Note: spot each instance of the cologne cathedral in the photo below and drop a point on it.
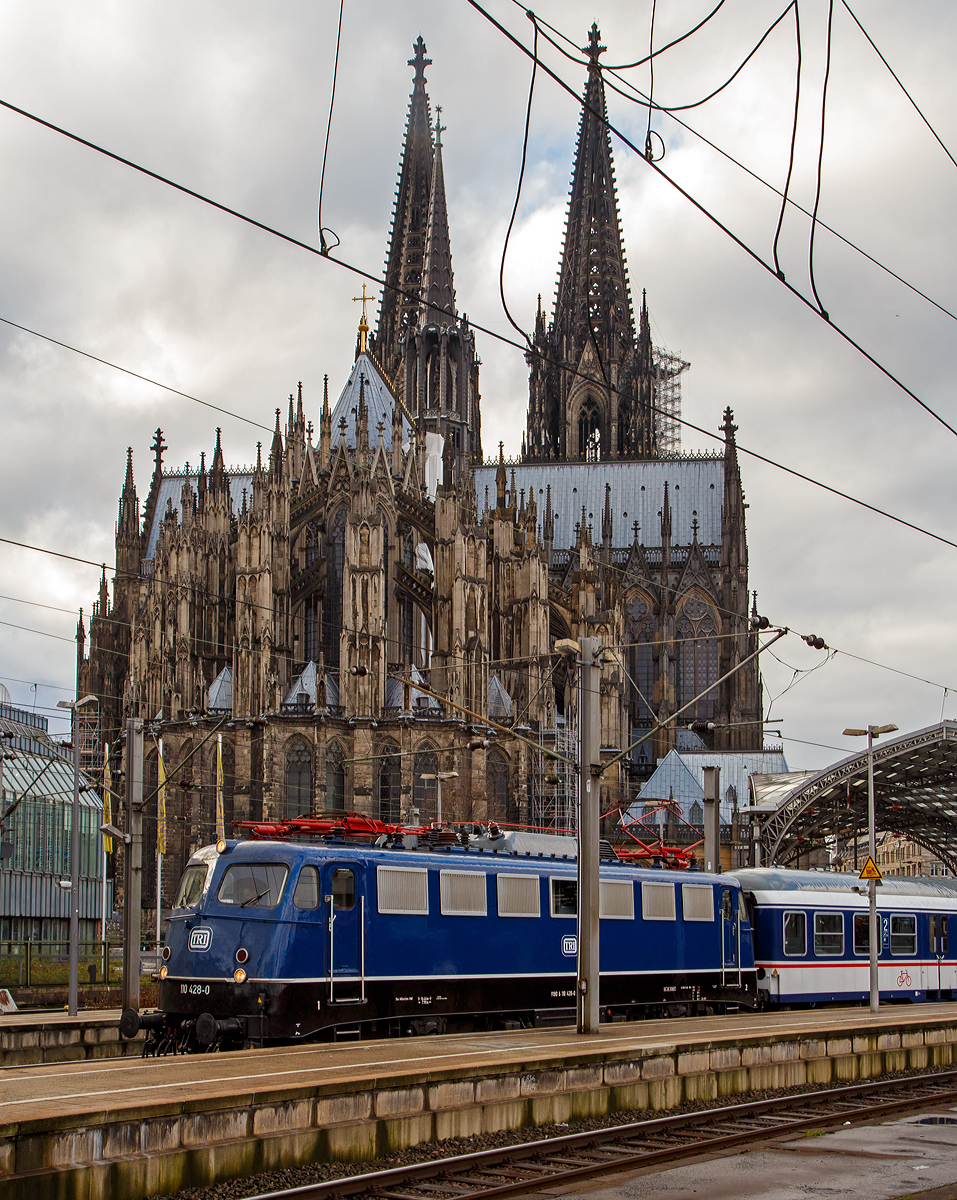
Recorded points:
(367, 618)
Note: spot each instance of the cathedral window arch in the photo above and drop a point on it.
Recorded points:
(424, 791)
(298, 779)
(696, 657)
(640, 634)
(589, 430)
(389, 782)
(335, 779)
(335, 566)
(500, 807)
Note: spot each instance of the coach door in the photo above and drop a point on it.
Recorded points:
(940, 971)
(730, 939)
(345, 909)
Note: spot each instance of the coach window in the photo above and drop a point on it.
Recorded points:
(828, 933)
(306, 894)
(343, 888)
(903, 935)
(938, 934)
(862, 933)
(795, 933)
(564, 897)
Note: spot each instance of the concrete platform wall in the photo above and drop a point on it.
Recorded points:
(161, 1148)
(36, 1039)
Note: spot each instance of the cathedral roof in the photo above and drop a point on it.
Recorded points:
(680, 777)
(171, 489)
(695, 492)
(379, 400)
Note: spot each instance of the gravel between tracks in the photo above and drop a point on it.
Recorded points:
(255, 1185)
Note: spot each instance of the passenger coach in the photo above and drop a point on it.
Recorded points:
(278, 940)
(811, 932)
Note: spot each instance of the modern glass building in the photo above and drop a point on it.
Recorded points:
(36, 810)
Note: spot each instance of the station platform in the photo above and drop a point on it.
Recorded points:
(136, 1128)
(49, 1036)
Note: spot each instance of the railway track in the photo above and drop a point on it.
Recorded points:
(531, 1166)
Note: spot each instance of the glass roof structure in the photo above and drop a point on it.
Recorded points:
(915, 795)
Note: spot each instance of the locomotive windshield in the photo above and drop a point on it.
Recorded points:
(191, 886)
(253, 885)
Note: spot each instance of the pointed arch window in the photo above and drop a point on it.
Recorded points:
(589, 430)
(298, 780)
(335, 779)
(496, 785)
(424, 791)
(640, 629)
(696, 631)
(335, 564)
(389, 783)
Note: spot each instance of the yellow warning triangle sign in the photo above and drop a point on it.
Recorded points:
(870, 870)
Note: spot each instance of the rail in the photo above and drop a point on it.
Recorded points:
(551, 1162)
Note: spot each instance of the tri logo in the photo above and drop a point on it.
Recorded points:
(200, 938)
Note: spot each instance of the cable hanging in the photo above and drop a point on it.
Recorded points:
(820, 164)
(323, 245)
(794, 128)
(518, 189)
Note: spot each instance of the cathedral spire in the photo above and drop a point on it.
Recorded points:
(591, 385)
(438, 293)
(403, 267)
(593, 234)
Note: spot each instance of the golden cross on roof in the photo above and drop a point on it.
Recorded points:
(363, 324)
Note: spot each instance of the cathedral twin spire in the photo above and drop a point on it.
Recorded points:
(426, 350)
(591, 382)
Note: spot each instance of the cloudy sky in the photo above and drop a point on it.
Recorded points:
(231, 99)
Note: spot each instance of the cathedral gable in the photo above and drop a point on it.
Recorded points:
(696, 573)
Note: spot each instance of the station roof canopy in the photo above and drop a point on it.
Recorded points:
(915, 794)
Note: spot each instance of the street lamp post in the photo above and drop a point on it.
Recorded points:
(438, 776)
(872, 732)
(74, 987)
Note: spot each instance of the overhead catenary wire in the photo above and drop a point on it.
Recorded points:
(518, 195)
(820, 158)
(324, 247)
(640, 62)
(361, 273)
(794, 129)
(899, 83)
(135, 374)
(716, 221)
(641, 98)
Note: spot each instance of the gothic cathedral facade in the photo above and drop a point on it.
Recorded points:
(350, 613)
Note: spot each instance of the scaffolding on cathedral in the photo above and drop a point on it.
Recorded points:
(668, 371)
(554, 783)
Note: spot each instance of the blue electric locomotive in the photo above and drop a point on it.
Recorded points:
(811, 933)
(281, 940)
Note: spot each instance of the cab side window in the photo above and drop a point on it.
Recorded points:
(306, 894)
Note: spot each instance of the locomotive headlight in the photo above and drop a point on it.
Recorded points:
(239, 975)
(221, 847)
(163, 972)
(242, 955)
(165, 953)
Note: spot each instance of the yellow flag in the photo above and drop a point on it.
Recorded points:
(220, 816)
(107, 799)
(161, 802)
